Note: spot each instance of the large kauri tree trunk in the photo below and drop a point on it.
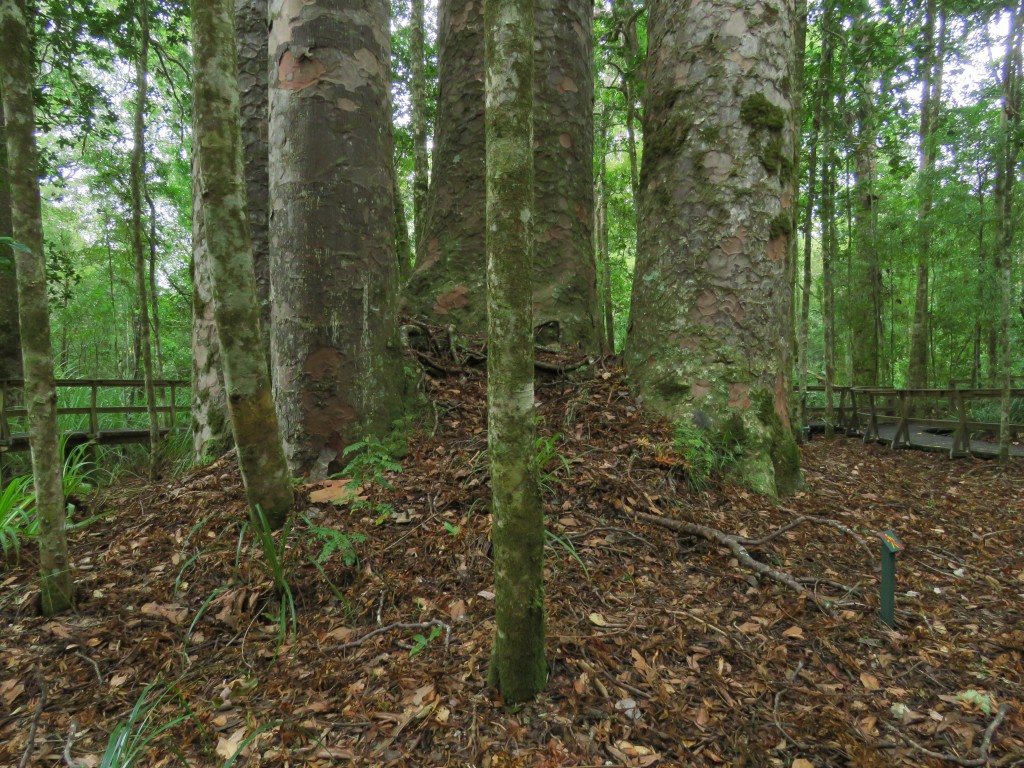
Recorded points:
(448, 283)
(222, 189)
(709, 316)
(16, 83)
(518, 667)
(335, 357)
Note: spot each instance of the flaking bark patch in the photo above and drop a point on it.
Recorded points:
(710, 301)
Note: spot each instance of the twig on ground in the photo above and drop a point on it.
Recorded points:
(397, 625)
(708, 624)
(30, 742)
(801, 518)
(778, 723)
(69, 761)
(737, 548)
(976, 762)
(95, 666)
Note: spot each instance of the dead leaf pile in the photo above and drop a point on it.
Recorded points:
(663, 648)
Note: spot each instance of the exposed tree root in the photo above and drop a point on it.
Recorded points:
(734, 543)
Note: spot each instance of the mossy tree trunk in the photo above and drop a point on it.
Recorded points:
(518, 667)
(448, 283)
(602, 256)
(828, 268)
(136, 182)
(418, 93)
(1007, 158)
(931, 96)
(10, 340)
(334, 340)
(16, 83)
(211, 427)
(865, 289)
(222, 190)
(822, 87)
(709, 318)
(251, 47)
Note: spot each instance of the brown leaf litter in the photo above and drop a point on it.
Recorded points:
(664, 648)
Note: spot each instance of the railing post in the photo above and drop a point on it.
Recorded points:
(961, 440)
(173, 405)
(5, 428)
(871, 433)
(902, 437)
(854, 415)
(94, 419)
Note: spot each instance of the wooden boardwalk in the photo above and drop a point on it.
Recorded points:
(926, 439)
(893, 416)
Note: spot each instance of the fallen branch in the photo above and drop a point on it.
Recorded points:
(737, 548)
(976, 762)
(397, 625)
(809, 519)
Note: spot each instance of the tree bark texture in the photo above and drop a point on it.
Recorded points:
(1008, 149)
(334, 347)
(136, 182)
(518, 667)
(565, 311)
(211, 427)
(16, 83)
(709, 313)
(822, 88)
(251, 47)
(931, 95)
(828, 262)
(601, 249)
(10, 341)
(865, 289)
(222, 190)
(418, 93)
(448, 283)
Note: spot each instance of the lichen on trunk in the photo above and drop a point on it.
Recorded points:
(518, 667)
(236, 309)
(17, 85)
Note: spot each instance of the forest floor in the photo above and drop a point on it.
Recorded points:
(664, 648)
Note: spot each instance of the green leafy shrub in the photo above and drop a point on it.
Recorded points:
(705, 454)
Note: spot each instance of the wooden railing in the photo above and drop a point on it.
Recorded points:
(866, 410)
(12, 409)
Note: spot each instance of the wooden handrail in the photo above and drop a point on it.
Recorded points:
(93, 410)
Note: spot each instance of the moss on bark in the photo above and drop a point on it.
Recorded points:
(518, 667)
(16, 83)
(709, 317)
(222, 186)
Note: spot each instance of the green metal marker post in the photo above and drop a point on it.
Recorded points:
(890, 546)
